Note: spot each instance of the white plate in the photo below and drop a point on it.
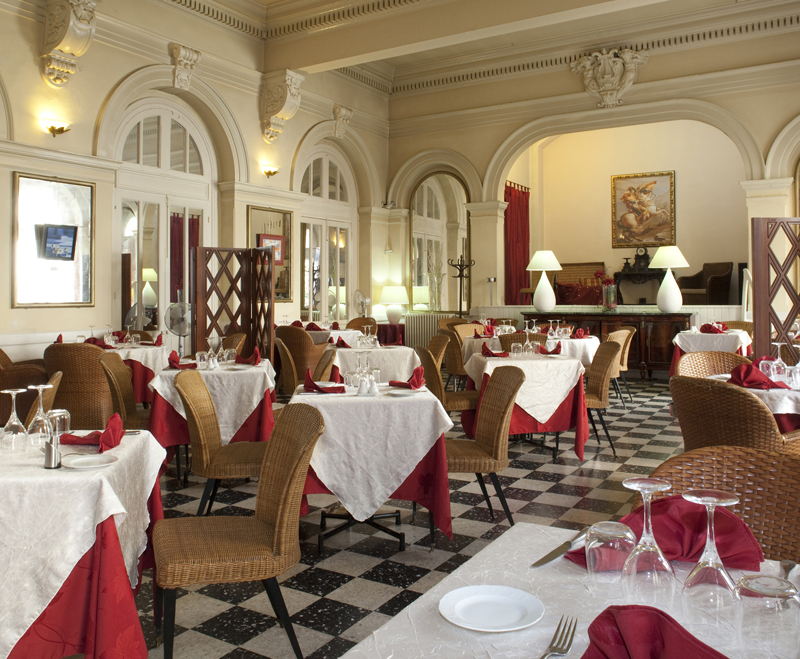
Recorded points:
(491, 608)
(397, 391)
(238, 367)
(86, 462)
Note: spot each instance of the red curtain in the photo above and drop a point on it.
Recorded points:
(517, 241)
(175, 255)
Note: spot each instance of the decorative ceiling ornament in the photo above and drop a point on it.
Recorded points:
(68, 31)
(184, 59)
(280, 100)
(341, 115)
(608, 74)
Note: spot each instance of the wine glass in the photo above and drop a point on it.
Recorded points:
(647, 577)
(550, 331)
(91, 330)
(779, 365)
(15, 437)
(708, 590)
(40, 430)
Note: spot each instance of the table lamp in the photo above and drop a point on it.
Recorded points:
(422, 298)
(669, 298)
(543, 298)
(149, 297)
(394, 296)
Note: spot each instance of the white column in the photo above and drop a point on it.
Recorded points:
(487, 249)
(766, 198)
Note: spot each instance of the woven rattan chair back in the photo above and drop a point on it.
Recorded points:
(598, 375)
(433, 376)
(453, 357)
(790, 354)
(283, 474)
(325, 365)
(19, 376)
(299, 343)
(438, 347)
(496, 406)
(289, 379)
(201, 416)
(450, 323)
(626, 349)
(467, 330)
(765, 482)
(507, 340)
(620, 336)
(745, 325)
(706, 364)
(360, 323)
(84, 391)
(5, 360)
(234, 342)
(119, 381)
(48, 396)
(712, 413)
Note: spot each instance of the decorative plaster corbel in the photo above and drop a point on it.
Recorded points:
(341, 116)
(184, 59)
(68, 30)
(609, 74)
(280, 100)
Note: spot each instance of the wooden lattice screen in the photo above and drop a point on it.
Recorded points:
(776, 281)
(234, 292)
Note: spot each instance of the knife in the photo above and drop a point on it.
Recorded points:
(562, 549)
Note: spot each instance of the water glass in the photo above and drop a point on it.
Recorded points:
(608, 545)
(230, 355)
(202, 359)
(794, 372)
(767, 368)
(375, 375)
(351, 379)
(80, 338)
(768, 617)
(516, 349)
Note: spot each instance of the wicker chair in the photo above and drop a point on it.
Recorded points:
(48, 396)
(84, 389)
(790, 354)
(623, 357)
(18, 375)
(444, 323)
(289, 379)
(144, 336)
(210, 459)
(745, 325)
(211, 550)
(705, 364)
(598, 378)
(621, 336)
(508, 340)
(766, 483)
(324, 366)
(453, 359)
(118, 376)
(456, 401)
(5, 362)
(712, 413)
(360, 323)
(467, 330)
(305, 354)
(488, 454)
(234, 342)
(438, 348)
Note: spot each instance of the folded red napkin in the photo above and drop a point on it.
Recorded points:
(748, 375)
(107, 439)
(399, 342)
(708, 328)
(476, 335)
(313, 327)
(579, 333)
(175, 362)
(98, 342)
(336, 376)
(335, 326)
(254, 359)
(486, 352)
(330, 340)
(554, 351)
(158, 342)
(765, 358)
(341, 343)
(297, 323)
(642, 632)
(679, 527)
(310, 385)
(120, 335)
(491, 321)
(59, 339)
(414, 382)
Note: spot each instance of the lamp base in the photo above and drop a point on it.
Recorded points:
(669, 298)
(543, 297)
(394, 314)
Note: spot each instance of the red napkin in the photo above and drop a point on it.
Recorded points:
(766, 358)
(554, 351)
(330, 339)
(579, 334)
(399, 342)
(414, 382)
(335, 326)
(313, 327)
(476, 335)
(748, 376)
(642, 632)
(335, 375)
(310, 385)
(175, 361)
(158, 342)
(340, 343)
(486, 352)
(107, 439)
(679, 527)
(297, 323)
(491, 321)
(254, 359)
(98, 342)
(708, 328)
(59, 339)
(120, 336)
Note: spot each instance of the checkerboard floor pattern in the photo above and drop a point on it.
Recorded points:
(362, 580)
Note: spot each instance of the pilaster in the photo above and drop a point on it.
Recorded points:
(487, 249)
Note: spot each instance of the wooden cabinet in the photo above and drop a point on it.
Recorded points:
(651, 348)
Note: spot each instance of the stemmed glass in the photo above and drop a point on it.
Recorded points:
(91, 330)
(528, 347)
(779, 365)
(40, 430)
(15, 438)
(647, 576)
(551, 332)
(708, 590)
(128, 335)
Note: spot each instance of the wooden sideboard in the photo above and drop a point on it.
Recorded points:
(651, 348)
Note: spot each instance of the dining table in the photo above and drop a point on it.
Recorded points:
(562, 587)
(74, 543)
(734, 340)
(394, 362)
(551, 399)
(349, 336)
(145, 362)
(379, 447)
(583, 348)
(242, 394)
(783, 403)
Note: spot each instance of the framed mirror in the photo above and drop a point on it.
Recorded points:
(270, 227)
(53, 242)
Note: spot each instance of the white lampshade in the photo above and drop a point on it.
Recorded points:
(544, 259)
(668, 257)
(394, 295)
(149, 274)
(422, 295)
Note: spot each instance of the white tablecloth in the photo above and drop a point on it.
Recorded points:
(235, 390)
(371, 444)
(548, 379)
(582, 349)
(779, 401)
(395, 362)
(48, 521)
(350, 337)
(730, 341)
(419, 630)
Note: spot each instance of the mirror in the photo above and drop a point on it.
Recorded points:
(53, 248)
(140, 264)
(269, 227)
(439, 233)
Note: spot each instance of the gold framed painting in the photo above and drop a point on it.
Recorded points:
(643, 210)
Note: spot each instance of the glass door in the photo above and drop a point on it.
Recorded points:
(141, 262)
(324, 247)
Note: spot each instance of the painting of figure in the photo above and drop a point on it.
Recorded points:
(643, 210)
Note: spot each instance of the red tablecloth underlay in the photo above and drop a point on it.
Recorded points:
(571, 413)
(677, 353)
(94, 612)
(141, 376)
(388, 334)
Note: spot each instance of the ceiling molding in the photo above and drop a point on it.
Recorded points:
(365, 78)
(221, 15)
(322, 107)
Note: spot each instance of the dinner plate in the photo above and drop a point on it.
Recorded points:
(87, 462)
(239, 367)
(397, 391)
(491, 608)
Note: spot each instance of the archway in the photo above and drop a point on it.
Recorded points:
(6, 120)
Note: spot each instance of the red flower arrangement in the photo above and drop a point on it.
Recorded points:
(604, 278)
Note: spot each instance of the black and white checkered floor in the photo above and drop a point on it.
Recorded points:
(362, 580)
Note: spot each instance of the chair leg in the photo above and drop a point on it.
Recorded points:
(213, 496)
(188, 465)
(555, 448)
(447, 384)
(279, 606)
(413, 511)
(158, 614)
(485, 494)
(502, 497)
(619, 392)
(206, 494)
(178, 462)
(603, 423)
(594, 425)
(169, 621)
(625, 382)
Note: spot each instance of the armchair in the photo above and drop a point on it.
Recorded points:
(709, 286)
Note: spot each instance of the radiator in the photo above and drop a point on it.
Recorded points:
(422, 327)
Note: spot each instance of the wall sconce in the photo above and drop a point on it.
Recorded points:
(269, 170)
(55, 126)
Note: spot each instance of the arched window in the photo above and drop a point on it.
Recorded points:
(323, 169)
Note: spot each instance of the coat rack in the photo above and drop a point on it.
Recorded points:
(461, 265)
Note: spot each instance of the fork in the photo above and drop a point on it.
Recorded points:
(562, 639)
